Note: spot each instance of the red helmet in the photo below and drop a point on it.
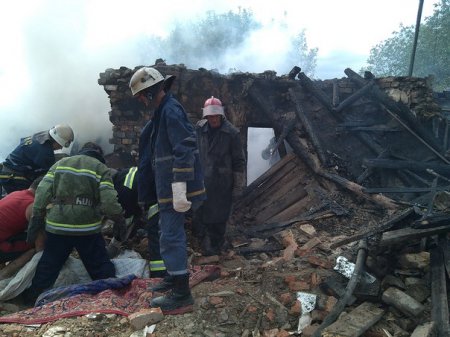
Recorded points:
(213, 106)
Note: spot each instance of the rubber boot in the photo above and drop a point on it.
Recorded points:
(179, 297)
(167, 283)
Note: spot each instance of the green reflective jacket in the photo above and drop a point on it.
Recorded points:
(74, 195)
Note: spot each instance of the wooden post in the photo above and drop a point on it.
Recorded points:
(308, 127)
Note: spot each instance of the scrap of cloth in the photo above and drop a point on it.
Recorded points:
(92, 288)
(121, 301)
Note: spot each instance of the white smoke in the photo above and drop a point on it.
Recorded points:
(54, 50)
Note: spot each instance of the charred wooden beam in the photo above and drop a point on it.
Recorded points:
(404, 189)
(407, 234)
(368, 171)
(397, 108)
(322, 97)
(378, 199)
(396, 218)
(267, 108)
(308, 127)
(316, 91)
(281, 148)
(357, 95)
(439, 307)
(411, 131)
(432, 220)
(443, 242)
(294, 71)
(407, 164)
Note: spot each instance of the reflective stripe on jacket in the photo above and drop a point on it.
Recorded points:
(173, 154)
(32, 157)
(74, 195)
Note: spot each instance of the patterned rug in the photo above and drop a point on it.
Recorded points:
(123, 301)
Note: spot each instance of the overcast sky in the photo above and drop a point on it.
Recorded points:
(53, 50)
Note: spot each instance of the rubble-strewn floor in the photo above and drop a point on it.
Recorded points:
(255, 295)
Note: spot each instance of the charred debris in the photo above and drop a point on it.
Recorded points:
(364, 159)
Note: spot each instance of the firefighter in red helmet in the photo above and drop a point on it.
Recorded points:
(223, 164)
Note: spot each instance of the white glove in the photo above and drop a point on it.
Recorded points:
(180, 202)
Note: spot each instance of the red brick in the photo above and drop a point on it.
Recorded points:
(321, 262)
(296, 309)
(299, 286)
(286, 298)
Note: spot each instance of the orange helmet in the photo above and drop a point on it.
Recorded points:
(213, 106)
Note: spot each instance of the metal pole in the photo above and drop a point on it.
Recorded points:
(416, 36)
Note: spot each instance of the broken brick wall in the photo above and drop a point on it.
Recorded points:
(192, 87)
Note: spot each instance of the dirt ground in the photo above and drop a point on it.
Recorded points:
(255, 294)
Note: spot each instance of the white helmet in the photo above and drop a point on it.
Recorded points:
(213, 106)
(147, 77)
(62, 134)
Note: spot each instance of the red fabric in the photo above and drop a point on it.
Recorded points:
(13, 220)
(124, 301)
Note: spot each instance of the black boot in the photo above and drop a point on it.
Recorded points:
(180, 295)
(167, 283)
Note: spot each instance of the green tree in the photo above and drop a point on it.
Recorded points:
(209, 41)
(300, 55)
(202, 42)
(392, 56)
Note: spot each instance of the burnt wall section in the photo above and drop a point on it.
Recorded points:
(343, 138)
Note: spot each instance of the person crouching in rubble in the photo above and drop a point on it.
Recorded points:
(126, 184)
(70, 203)
(170, 158)
(223, 163)
(15, 213)
(33, 157)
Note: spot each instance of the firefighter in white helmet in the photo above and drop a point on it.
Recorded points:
(168, 157)
(223, 163)
(33, 157)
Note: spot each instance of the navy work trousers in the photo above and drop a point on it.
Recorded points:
(172, 241)
(91, 249)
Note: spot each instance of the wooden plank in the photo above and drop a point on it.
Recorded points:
(274, 188)
(356, 322)
(295, 193)
(297, 208)
(439, 301)
(399, 235)
(267, 184)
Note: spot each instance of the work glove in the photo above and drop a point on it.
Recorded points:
(37, 224)
(119, 228)
(113, 248)
(180, 202)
